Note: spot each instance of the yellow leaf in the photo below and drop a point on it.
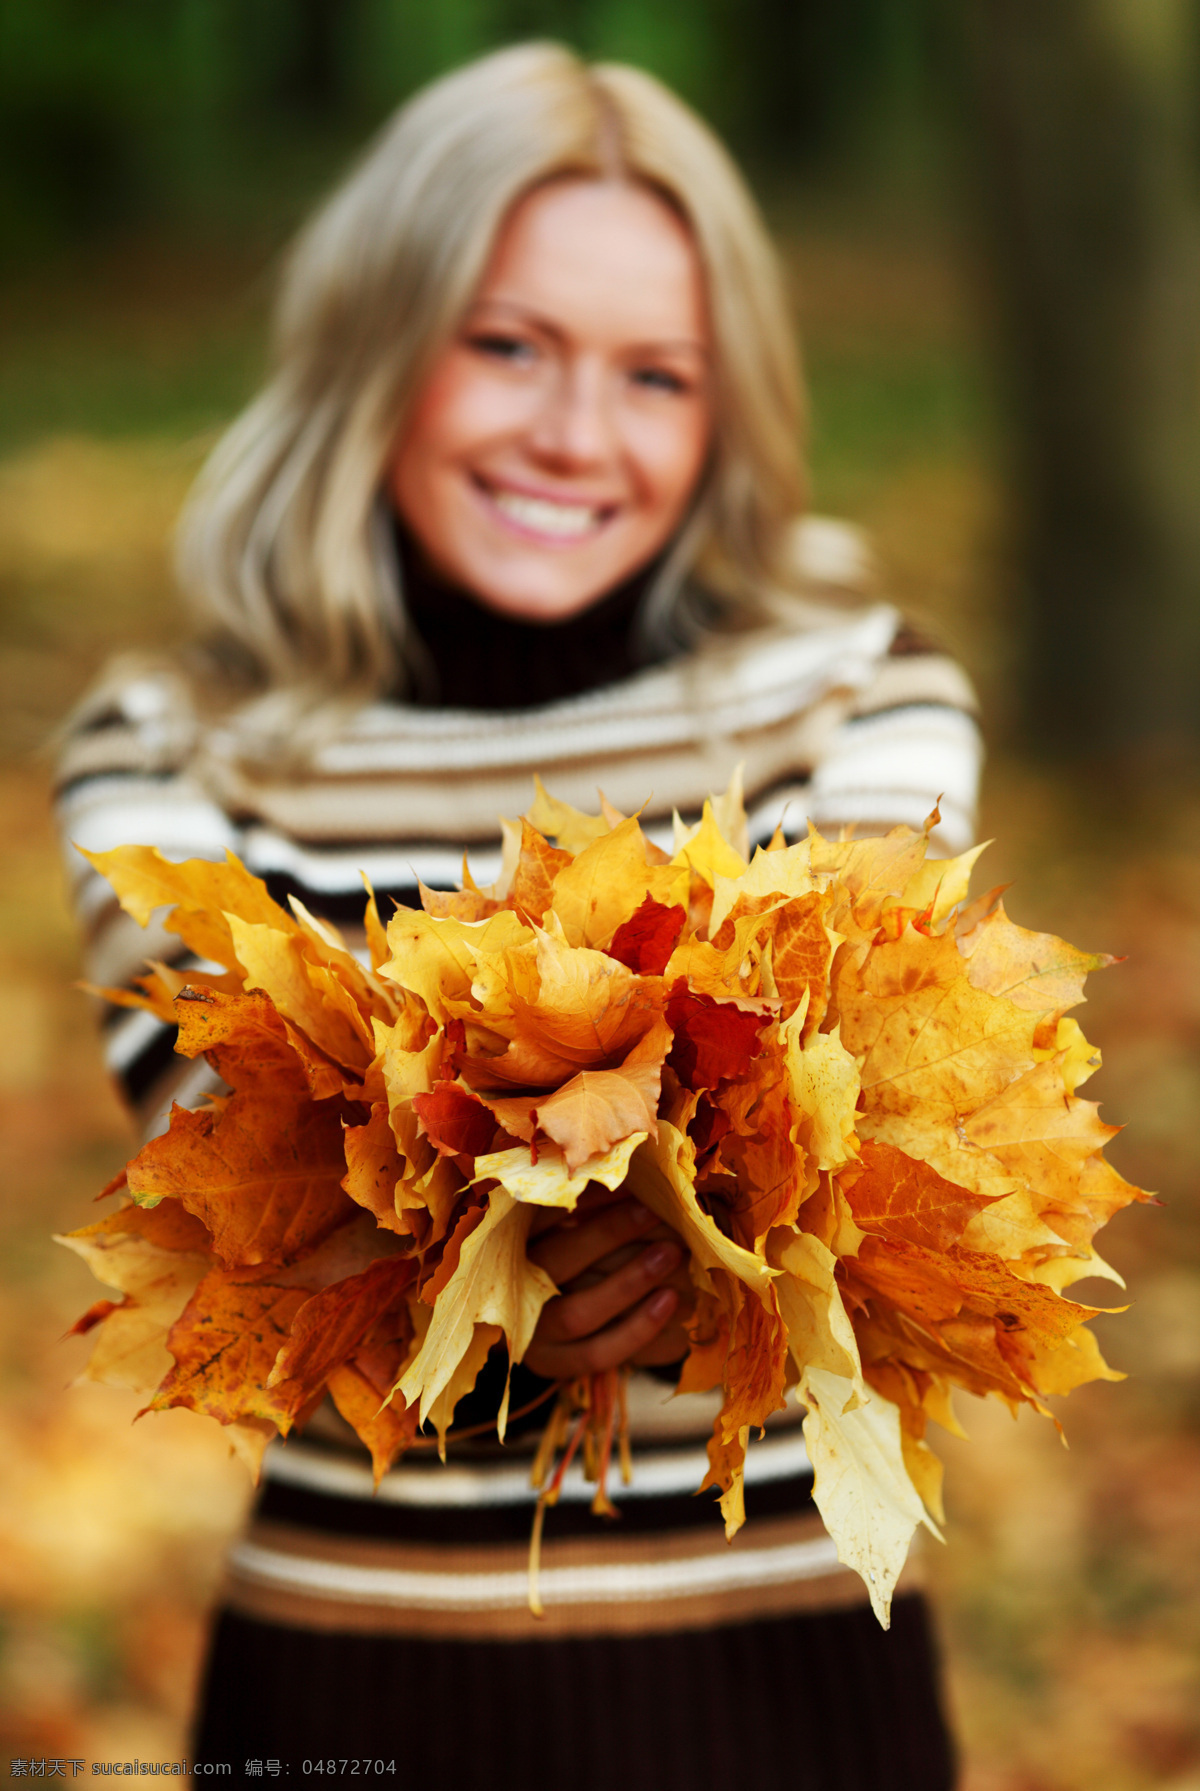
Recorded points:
(1035, 971)
(940, 885)
(436, 959)
(569, 826)
(200, 893)
(783, 874)
(493, 1284)
(824, 1084)
(861, 1487)
(820, 1334)
(307, 994)
(708, 854)
(157, 1280)
(729, 813)
(550, 1181)
(607, 883)
(441, 1410)
(662, 1173)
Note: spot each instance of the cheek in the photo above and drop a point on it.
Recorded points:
(461, 412)
(669, 452)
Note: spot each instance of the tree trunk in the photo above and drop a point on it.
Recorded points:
(1081, 123)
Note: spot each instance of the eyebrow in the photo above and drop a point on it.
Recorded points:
(683, 344)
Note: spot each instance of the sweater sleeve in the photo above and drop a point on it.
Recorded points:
(909, 741)
(123, 780)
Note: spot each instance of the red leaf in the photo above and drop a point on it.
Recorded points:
(713, 1039)
(645, 941)
(455, 1121)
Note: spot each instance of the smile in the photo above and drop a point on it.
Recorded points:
(545, 519)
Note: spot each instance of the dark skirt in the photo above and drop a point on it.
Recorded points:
(817, 1702)
(787, 1686)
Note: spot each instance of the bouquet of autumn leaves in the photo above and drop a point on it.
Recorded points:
(849, 1094)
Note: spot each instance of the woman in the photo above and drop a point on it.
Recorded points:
(523, 495)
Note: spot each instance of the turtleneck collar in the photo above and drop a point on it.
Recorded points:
(472, 657)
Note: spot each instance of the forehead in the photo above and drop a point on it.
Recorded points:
(603, 256)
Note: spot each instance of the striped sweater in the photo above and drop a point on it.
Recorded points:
(854, 721)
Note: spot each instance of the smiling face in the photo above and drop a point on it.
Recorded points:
(562, 432)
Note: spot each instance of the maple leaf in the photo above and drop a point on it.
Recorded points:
(824, 1085)
(713, 1040)
(361, 1391)
(455, 1121)
(760, 1147)
(225, 1343)
(662, 1173)
(801, 948)
(908, 1201)
(155, 1257)
(573, 829)
(573, 1009)
(705, 851)
(861, 1486)
(200, 894)
(531, 889)
(607, 882)
(598, 1108)
(330, 1328)
(493, 1285)
(263, 1169)
(548, 1179)
(378, 1177)
(645, 941)
(1034, 971)
(317, 1002)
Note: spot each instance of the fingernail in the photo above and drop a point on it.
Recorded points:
(662, 1304)
(641, 1216)
(660, 1258)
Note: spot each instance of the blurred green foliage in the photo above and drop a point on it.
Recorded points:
(120, 113)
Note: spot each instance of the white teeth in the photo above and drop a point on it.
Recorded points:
(545, 517)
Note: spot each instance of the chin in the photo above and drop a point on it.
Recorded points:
(533, 590)
(533, 606)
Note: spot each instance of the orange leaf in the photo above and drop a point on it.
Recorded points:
(332, 1326)
(374, 1167)
(263, 1170)
(906, 1200)
(597, 1108)
(225, 1344)
(359, 1388)
(532, 887)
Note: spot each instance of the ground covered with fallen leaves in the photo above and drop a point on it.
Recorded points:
(1068, 1590)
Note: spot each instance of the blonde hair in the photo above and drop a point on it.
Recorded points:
(283, 546)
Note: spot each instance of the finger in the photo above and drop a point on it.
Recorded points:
(578, 1314)
(668, 1349)
(567, 1250)
(594, 1197)
(608, 1348)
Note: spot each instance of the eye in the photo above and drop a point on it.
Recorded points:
(499, 346)
(659, 379)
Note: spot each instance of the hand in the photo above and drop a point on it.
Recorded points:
(613, 1307)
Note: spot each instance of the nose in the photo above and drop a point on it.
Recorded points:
(574, 428)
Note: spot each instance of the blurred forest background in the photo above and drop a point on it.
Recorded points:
(989, 213)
